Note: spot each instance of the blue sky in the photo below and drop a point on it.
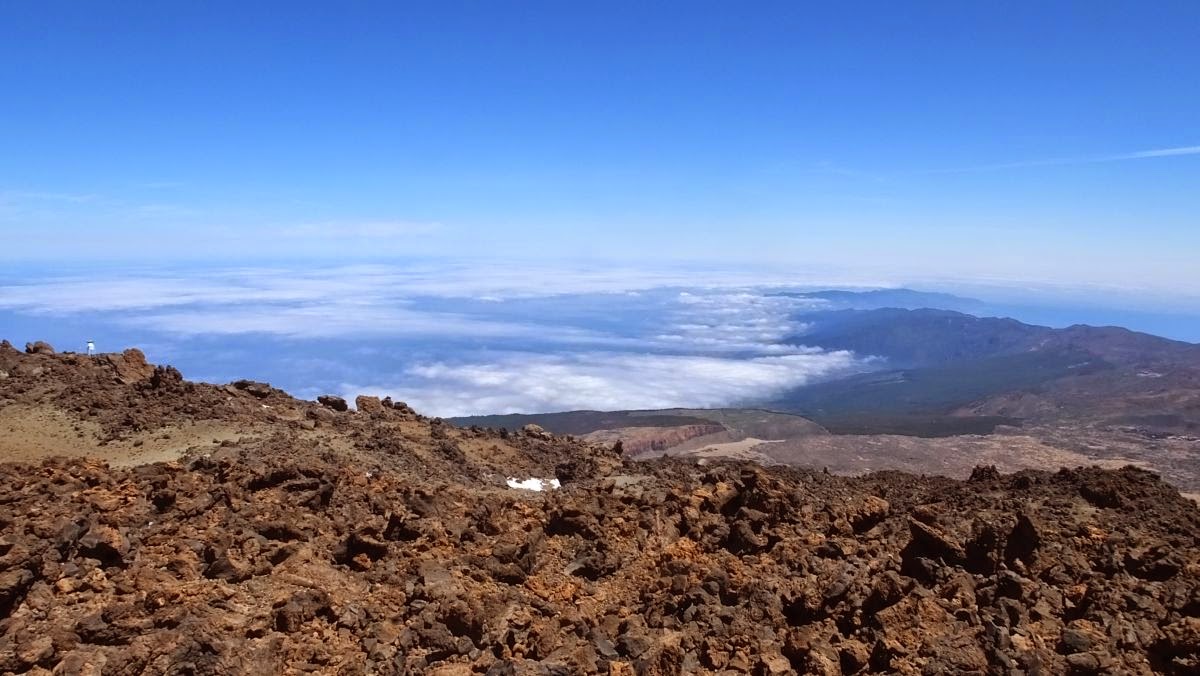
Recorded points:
(1041, 141)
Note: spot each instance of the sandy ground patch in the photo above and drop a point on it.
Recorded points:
(29, 434)
(744, 449)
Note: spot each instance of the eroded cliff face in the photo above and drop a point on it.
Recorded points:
(380, 541)
(638, 441)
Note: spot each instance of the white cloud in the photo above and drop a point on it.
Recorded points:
(363, 321)
(1161, 152)
(1093, 159)
(528, 383)
(739, 320)
(491, 338)
(67, 295)
(493, 281)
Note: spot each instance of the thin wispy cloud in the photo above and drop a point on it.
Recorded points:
(158, 185)
(161, 211)
(358, 321)
(1064, 161)
(358, 230)
(1163, 152)
(54, 208)
(47, 196)
(486, 281)
(834, 169)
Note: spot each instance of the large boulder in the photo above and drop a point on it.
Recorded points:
(366, 404)
(334, 402)
(535, 431)
(131, 365)
(254, 388)
(106, 544)
(39, 347)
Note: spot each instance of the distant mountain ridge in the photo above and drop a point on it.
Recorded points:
(920, 337)
(909, 299)
(946, 363)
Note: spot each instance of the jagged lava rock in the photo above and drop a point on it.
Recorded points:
(333, 402)
(389, 544)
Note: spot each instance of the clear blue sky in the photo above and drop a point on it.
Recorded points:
(1016, 139)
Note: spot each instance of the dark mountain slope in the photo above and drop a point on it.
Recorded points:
(1129, 348)
(939, 388)
(924, 337)
(938, 363)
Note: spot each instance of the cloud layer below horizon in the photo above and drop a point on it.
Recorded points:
(450, 339)
(526, 383)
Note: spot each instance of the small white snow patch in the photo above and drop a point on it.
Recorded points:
(533, 484)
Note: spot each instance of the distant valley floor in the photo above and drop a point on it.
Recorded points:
(780, 438)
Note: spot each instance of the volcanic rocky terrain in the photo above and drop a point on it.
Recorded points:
(272, 535)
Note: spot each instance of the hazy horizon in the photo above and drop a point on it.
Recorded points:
(461, 338)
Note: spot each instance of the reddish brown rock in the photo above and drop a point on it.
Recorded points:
(130, 366)
(367, 404)
(39, 347)
(390, 544)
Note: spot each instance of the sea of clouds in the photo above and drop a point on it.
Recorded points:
(450, 338)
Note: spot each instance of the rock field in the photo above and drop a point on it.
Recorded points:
(315, 538)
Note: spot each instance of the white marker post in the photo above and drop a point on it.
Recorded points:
(91, 348)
